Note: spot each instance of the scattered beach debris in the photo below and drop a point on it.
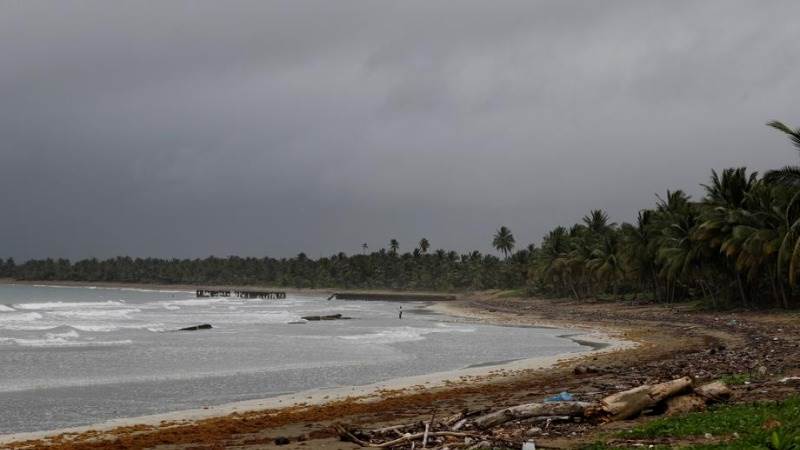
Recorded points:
(205, 326)
(581, 370)
(510, 426)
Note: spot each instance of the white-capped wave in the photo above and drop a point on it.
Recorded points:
(105, 328)
(64, 335)
(97, 313)
(213, 301)
(4, 308)
(402, 334)
(19, 317)
(27, 326)
(94, 328)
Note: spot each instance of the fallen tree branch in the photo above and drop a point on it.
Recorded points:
(532, 410)
(630, 403)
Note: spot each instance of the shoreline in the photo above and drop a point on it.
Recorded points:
(600, 341)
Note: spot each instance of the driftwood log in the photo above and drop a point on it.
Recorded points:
(529, 410)
(630, 403)
(674, 397)
(714, 392)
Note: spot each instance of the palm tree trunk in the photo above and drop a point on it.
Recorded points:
(741, 289)
(783, 294)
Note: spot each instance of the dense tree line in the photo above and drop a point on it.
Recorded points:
(738, 245)
(382, 269)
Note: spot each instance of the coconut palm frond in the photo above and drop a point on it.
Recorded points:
(794, 135)
(789, 176)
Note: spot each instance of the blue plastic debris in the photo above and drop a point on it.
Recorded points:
(562, 397)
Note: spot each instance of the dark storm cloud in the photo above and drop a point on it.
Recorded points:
(192, 128)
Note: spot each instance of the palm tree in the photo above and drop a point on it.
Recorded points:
(606, 263)
(640, 249)
(597, 221)
(503, 241)
(726, 199)
(677, 252)
(731, 188)
(788, 175)
(757, 237)
(424, 245)
(394, 245)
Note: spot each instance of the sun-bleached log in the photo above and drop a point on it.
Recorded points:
(630, 403)
(531, 410)
(714, 392)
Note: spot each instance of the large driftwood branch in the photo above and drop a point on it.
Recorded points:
(532, 410)
(630, 403)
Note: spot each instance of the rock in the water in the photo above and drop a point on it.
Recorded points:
(328, 317)
(281, 441)
(204, 326)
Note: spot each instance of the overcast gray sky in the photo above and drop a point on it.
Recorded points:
(269, 128)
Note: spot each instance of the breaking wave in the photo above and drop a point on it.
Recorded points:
(403, 334)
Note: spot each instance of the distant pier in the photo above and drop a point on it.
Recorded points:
(240, 293)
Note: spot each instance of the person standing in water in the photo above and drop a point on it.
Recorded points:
(400, 316)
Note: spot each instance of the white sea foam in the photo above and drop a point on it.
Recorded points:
(403, 334)
(223, 301)
(64, 335)
(61, 342)
(27, 326)
(106, 328)
(94, 328)
(96, 314)
(19, 317)
(4, 308)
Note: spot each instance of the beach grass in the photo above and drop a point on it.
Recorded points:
(763, 425)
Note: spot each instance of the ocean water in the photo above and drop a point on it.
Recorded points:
(80, 355)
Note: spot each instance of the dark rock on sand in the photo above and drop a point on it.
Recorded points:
(281, 441)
